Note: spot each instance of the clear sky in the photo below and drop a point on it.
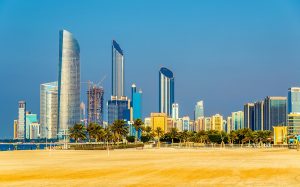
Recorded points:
(224, 52)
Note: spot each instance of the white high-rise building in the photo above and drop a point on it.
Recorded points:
(175, 111)
(21, 128)
(48, 110)
(117, 70)
(68, 82)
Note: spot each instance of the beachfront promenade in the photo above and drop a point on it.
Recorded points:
(151, 167)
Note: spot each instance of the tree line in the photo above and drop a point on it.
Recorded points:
(118, 131)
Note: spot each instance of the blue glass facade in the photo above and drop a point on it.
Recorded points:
(166, 91)
(294, 100)
(118, 110)
(275, 112)
(258, 115)
(30, 118)
(249, 116)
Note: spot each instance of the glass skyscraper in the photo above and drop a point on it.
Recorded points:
(30, 118)
(237, 120)
(275, 112)
(117, 70)
(68, 81)
(48, 109)
(136, 99)
(258, 115)
(166, 91)
(199, 110)
(118, 109)
(294, 100)
(249, 116)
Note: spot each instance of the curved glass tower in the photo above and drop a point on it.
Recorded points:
(166, 91)
(68, 81)
(117, 70)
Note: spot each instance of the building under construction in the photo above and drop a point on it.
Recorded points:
(95, 104)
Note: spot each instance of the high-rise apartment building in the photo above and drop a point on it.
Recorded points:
(275, 112)
(217, 122)
(22, 120)
(175, 111)
(95, 96)
(199, 110)
(48, 110)
(117, 70)
(68, 82)
(294, 100)
(249, 116)
(237, 120)
(166, 91)
(30, 118)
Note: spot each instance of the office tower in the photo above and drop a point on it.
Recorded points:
(229, 124)
(158, 120)
(249, 116)
(82, 113)
(217, 122)
(199, 110)
(118, 109)
(186, 123)
(136, 102)
(68, 82)
(293, 126)
(34, 129)
(15, 129)
(237, 120)
(166, 91)
(22, 120)
(175, 111)
(294, 100)
(258, 115)
(207, 123)
(95, 96)
(117, 70)
(275, 112)
(30, 118)
(48, 110)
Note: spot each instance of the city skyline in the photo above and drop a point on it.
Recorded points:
(186, 95)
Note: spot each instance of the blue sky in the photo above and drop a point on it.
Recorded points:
(224, 52)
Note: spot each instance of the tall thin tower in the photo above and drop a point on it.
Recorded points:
(166, 91)
(68, 81)
(117, 70)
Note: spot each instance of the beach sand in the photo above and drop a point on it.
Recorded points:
(151, 167)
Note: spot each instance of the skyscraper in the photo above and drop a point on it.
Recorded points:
(294, 100)
(48, 110)
(166, 91)
(249, 116)
(258, 115)
(199, 110)
(117, 70)
(68, 81)
(217, 122)
(275, 112)
(136, 99)
(30, 118)
(175, 111)
(118, 109)
(237, 120)
(95, 104)
(22, 120)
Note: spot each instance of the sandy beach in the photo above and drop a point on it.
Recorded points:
(151, 167)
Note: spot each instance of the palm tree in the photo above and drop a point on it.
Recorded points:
(173, 134)
(119, 129)
(100, 133)
(159, 132)
(201, 136)
(77, 132)
(92, 130)
(138, 124)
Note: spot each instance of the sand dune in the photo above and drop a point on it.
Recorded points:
(155, 167)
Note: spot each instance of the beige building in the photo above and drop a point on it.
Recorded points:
(229, 124)
(217, 122)
(15, 129)
(207, 124)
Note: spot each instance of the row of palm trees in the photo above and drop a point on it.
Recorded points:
(118, 131)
